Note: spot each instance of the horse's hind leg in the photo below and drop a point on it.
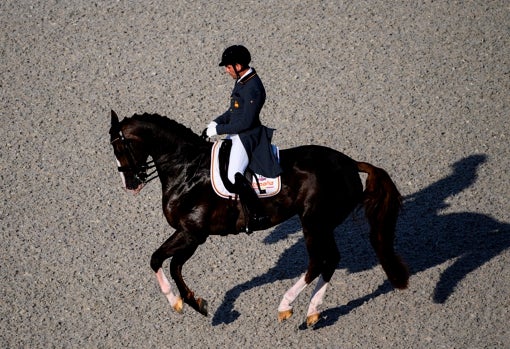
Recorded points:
(313, 314)
(285, 307)
(324, 258)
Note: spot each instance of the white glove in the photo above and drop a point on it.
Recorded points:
(211, 130)
(212, 123)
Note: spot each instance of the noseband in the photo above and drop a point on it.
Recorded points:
(139, 170)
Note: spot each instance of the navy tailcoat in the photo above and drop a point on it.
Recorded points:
(243, 118)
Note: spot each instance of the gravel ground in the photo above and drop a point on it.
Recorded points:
(418, 88)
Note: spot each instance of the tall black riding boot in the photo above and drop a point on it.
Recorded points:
(258, 218)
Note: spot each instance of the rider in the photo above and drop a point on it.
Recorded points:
(251, 141)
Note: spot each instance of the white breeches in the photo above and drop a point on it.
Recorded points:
(238, 158)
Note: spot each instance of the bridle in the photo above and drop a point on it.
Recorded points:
(139, 170)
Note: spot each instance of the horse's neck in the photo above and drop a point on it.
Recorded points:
(175, 158)
(157, 143)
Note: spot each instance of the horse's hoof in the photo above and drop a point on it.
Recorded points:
(179, 305)
(284, 315)
(202, 306)
(312, 319)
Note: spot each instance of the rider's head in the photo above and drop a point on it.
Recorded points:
(235, 59)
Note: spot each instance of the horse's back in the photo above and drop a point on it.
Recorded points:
(319, 160)
(323, 179)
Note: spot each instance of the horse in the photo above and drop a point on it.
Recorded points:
(318, 184)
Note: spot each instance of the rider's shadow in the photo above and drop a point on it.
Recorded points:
(425, 238)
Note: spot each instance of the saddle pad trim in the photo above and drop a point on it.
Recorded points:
(220, 189)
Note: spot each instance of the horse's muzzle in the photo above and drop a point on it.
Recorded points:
(136, 190)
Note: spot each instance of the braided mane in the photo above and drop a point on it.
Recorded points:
(165, 124)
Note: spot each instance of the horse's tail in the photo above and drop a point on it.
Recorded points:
(382, 203)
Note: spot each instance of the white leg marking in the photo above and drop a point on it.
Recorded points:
(166, 288)
(317, 297)
(292, 294)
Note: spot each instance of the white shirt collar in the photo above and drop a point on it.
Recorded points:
(247, 72)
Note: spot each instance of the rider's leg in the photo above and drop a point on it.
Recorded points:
(257, 216)
(238, 162)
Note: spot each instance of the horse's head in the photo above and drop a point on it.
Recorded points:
(130, 155)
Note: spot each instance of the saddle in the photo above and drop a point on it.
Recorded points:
(220, 154)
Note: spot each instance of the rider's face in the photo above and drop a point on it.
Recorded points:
(229, 68)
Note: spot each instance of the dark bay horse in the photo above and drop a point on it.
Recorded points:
(322, 186)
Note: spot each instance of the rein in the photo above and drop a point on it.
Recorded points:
(139, 170)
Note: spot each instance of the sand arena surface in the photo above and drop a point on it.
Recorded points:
(418, 88)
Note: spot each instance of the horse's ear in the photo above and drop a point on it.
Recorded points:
(115, 120)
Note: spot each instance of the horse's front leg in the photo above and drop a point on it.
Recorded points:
(181, 248)
(176, 264)
(166, 288)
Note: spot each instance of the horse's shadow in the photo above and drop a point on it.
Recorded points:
(425, 238)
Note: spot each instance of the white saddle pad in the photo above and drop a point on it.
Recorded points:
(271, 186)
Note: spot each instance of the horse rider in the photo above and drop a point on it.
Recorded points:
(251, 141)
